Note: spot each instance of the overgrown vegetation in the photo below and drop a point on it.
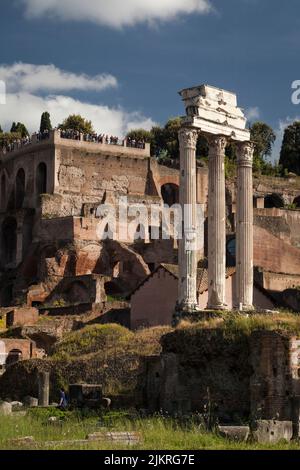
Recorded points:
(234, 324)
(157, 433)
(109, 340)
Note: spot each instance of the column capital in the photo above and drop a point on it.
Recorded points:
(217, 143)
(245, 152)
(188, 137)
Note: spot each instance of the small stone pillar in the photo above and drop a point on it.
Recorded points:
(216, 223)
(244, 227)
(44, 385)
(187, 301)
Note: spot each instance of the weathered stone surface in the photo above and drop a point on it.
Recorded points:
(5, 408)
(16, 405)
(271, 431)
(31, 402)
(236, 433)
(129, 438)
(21, 441)
(44, 384)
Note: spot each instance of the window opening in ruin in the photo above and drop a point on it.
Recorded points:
(41, 179)
(20, 188)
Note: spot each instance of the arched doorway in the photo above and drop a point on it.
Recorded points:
(20, 188)
(170, 194)
(9, 240)
(297, 202)
(14, 356)
(27, 230)
(41, 179)
(274, 200)
(3, 191)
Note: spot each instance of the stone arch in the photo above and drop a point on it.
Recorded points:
(20, 188)
(41, 178)
(14, 356)
(9, 240)
(170, 193)
(297, 202)
(274, 201)
(3, 190)
(27, 236)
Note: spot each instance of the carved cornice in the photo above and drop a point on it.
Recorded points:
(217, 144)
(188, 138)
(245, 152)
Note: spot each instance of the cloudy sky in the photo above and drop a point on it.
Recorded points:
(121, 63)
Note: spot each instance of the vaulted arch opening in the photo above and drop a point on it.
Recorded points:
(20, 188)
(41, 179)
(3, 191)
(9, 240)
(274, 200)
(170, 194)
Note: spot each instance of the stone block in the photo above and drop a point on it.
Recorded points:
(235, 433)
(5, 408)
(21, 441)
(16, 405)
(129, 438)
(31, 402)
(272, 431)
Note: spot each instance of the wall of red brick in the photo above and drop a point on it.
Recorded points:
(26, 346)
(22, 316)
(273, 254)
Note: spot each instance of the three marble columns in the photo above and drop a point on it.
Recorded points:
(216, 223)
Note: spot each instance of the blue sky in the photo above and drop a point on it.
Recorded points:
(136, 57)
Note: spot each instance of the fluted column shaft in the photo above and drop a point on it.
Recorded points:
(187, 294)
(216, 223)
(244, 229)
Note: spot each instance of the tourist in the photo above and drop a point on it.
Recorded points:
(63, 403)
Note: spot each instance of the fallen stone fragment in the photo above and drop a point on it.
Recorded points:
(272, 431)
(129, 438)
(31, 402)
(235, 433)
(20, 441)
(5, 408)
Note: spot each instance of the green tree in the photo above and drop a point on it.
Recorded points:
(1, 131)
(8, 137)
(140, 134)
(45, 122)
(170, 136)
(78, 123)
(263, 137)
(290, 150)
(19, 128)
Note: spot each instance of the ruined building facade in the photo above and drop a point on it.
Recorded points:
(50, 253)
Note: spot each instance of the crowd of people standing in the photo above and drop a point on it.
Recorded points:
(102, 139)
(12, 145)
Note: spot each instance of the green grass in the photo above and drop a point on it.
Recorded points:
(109, 340)
(157, 433)
(234, 324)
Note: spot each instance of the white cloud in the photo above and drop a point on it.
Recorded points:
(252, 114)
(32, 78)
(24, 103)
(115, 13)
(27, 108)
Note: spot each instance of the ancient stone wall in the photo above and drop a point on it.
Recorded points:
(234, 376)
(273, 254)
(198, 369)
